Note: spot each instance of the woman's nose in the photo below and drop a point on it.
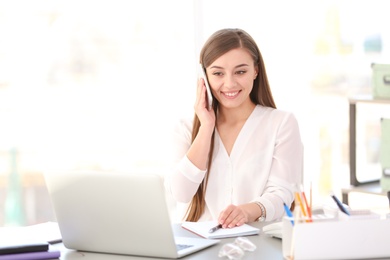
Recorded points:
(229, 81)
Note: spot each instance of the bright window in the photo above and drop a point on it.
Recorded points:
(99, 84)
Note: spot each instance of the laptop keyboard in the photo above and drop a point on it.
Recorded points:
(182, 246)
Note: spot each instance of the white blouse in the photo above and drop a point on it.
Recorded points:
(265, 165)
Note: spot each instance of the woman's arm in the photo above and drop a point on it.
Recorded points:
(191, 158)
(286, 170)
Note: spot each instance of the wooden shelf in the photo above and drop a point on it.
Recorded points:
(352, 133)
(369, 187)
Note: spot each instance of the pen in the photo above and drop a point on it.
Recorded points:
(311, 196)
(308, 208)
(340, 205)
(299, 200)
(289, 213)
(212, 230)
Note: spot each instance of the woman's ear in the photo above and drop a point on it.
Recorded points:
(256, 71)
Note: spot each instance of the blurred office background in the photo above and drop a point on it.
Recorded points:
(99, 84)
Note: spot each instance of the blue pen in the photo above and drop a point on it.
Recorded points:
(340, 205)
(289, 213)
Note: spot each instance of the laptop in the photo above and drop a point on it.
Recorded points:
(117, 213)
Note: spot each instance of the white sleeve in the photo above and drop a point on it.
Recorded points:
(286, 169)
(184, 178)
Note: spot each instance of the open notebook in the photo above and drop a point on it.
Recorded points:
(203, 229)
(117, 213)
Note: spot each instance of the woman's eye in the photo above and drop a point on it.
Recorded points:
(217, 73)
(241, 72)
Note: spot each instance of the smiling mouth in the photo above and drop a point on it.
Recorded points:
(231, 94)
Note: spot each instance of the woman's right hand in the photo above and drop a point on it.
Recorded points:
(206, 116)
(198, 153)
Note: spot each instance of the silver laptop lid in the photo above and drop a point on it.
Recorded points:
(117, 213)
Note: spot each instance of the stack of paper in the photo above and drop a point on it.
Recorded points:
(27, 249)
(30, 242)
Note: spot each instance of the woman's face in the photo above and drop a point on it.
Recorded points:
(231, 78)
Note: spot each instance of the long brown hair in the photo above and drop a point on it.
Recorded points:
(218, 44)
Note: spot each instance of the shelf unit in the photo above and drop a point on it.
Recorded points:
(369, 187)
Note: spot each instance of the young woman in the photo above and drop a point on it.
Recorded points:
(239, 161)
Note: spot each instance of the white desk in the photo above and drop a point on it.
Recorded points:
(267, 248)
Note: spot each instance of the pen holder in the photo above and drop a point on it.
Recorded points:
(336, 239)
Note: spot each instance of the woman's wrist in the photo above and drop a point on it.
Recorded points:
(263, 213)
(207, 128)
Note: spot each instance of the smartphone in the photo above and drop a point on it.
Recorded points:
(208, 90)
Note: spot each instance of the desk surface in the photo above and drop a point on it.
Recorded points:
(267, 248)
